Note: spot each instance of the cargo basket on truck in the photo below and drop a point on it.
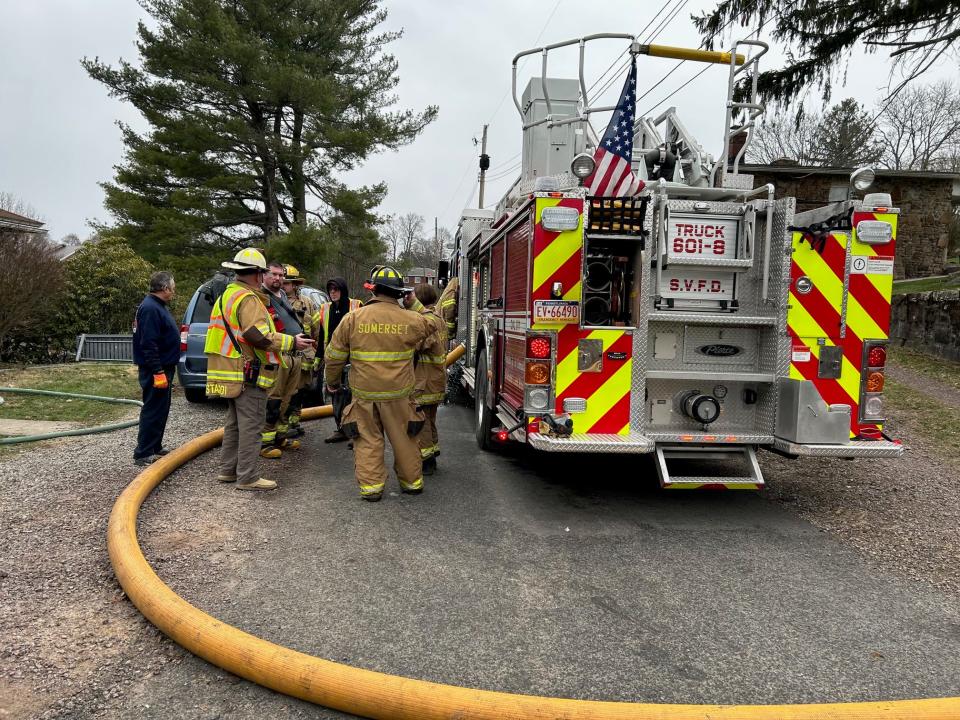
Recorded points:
(617, 216)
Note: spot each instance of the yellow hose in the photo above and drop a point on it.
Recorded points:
(390, 697)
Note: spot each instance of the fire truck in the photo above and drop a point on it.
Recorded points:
(698, 320)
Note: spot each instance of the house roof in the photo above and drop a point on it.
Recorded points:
(786, 169)
(422, 272)
(19, 222)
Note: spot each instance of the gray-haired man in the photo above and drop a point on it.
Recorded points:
(156, 350)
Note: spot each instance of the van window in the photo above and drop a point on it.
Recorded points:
(202, 310)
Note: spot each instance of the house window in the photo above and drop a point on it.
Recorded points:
(838, 192)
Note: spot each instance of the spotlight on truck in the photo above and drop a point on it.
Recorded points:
(583, 165)
(862, 178)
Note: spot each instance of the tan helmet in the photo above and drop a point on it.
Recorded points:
(246, 260)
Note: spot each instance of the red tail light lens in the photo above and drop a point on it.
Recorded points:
(875, 381)
(877, 356)
(538, 347)
(502, 436)
(184, 332)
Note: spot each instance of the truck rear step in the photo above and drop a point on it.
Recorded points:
(742, 458)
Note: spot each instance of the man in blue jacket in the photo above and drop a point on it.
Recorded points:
(156, 350)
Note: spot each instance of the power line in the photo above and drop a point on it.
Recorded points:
(663, 25)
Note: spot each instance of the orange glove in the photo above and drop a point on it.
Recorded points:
(160, 381)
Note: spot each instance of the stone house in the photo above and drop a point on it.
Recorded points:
(926, 201)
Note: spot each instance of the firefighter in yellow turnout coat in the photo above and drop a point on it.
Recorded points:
(431, 376)
(243, 351)
(380, 340)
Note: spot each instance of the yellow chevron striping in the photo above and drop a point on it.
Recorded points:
(860, 321)
(849, 378)
(567, 371)
(826, 282)
(727, 485)
(606, 396)
(552, 257)
(574, 292)
(801, 321)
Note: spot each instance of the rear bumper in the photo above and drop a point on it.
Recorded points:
(634, 443)
(189, 377)
(854, 449)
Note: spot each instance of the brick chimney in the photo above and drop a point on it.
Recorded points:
(737, 141)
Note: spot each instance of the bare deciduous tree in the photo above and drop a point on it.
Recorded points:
(389, 233)
(410, 228)
(920, 128)
(26, 261)
(14, 204)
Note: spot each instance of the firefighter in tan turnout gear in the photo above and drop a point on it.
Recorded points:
(308, 314)
(431, 375)
(276, 422)
(243, 351)
(380, 340)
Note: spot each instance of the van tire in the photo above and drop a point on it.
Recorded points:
(195, 395)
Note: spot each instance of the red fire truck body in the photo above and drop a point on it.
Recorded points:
(699, 320)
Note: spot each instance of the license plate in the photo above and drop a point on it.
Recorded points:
(694, 284)
(557, 311)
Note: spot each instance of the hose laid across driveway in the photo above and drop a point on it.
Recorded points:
(69, 433)
(390, 697)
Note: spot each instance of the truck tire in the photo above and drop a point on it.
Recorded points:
(195, 395)
(484, 414)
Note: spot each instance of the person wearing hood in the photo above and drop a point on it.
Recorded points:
(331, 314)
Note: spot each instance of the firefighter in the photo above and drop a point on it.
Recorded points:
(431, 375)
(331, 313)
(308, 314)
(243, 356)
(448, 306)
(273, 438)
(380, 340)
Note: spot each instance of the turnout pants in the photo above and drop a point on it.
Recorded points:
(276, 421)
(153, 414)
(428, 438)
(367, 422)
(241, 451)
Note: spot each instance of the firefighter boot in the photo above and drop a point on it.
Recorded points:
(430, 465)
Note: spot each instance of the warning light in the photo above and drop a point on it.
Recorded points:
(502, 436)
(877, 356)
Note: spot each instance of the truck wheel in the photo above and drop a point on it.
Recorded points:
(484, 414)
(195, 395)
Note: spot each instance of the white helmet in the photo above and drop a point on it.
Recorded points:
(246, 259)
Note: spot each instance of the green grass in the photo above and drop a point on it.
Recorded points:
(948, 282)
(108, 380)
(935, 368)
(925, 416)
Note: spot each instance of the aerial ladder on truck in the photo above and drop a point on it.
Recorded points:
(700, 319)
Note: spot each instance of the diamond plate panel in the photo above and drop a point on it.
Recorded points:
(638, 412)
(855, 449)
(634, 443)
(736, 417)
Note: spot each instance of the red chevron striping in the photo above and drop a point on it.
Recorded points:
(543, 238)
(870, 299)
(835, 256)
(568, 274)
(588, 383)
(615, 418)
(820, 308)
(831, 391)
(567, 339)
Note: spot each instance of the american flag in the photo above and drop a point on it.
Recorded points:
(613, 176)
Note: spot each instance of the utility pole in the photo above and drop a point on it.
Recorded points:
(484, 162)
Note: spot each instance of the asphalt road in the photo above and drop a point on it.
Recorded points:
(544, 574)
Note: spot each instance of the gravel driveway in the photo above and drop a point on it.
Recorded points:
(71, 645)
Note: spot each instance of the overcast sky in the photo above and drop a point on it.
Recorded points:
(58, 133)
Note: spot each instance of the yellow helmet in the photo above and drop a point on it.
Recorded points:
(247, 259)
(292, 275)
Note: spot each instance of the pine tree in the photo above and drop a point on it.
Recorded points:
(254, 108)
(845, 137)
(819, 36)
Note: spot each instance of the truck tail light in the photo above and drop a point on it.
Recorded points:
(877, 356)
(184, 332)
(538, 347)
(875, 381)
(872, 380)
(537, 373)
